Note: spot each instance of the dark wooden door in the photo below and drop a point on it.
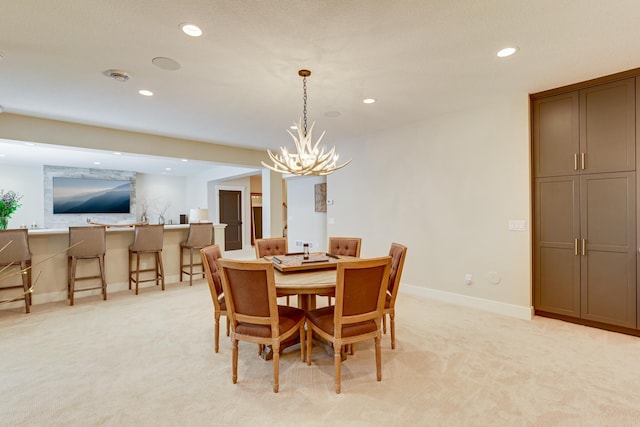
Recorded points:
(608, 127)
(556, 246)
(608, 270)
(556, 135)
(231, 214)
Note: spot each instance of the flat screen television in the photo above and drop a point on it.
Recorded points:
(88, 195)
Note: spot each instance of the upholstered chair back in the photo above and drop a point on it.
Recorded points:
(271, 246)
(349, 246)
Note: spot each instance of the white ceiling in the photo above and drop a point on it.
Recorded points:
(238, 83)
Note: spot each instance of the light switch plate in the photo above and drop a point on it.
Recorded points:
(516, 224)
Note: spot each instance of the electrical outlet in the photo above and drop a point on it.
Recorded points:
(468, 279)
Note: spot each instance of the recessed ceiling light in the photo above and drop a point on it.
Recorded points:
(145, 92)
(369, 100)
(2, 155)
(96, 163)
(332, 114)
(184, 160)
(167, 169)
(117, 153)
(30, 144)
(507, 51)
(294, 127)
(191, 30)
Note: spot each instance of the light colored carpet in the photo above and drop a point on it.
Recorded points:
(149, 360)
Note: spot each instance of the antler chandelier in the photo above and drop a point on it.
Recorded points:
(309, 158)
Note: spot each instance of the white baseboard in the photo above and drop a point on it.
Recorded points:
(43, 298)
(520, 312)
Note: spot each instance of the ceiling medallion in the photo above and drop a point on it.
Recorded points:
(309, 158)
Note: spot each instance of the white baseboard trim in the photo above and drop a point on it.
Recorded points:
(43, 298)
(517, 311)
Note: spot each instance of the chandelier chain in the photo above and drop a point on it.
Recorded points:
(304, 102)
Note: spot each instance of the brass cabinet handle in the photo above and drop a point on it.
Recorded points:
(575, 161)
(584, 247)
(575, 246)
(582, 160)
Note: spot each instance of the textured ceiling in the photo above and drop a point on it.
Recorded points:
(238, 83)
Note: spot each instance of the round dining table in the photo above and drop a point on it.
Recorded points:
(306, 285)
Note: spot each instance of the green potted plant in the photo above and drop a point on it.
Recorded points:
(9, 203)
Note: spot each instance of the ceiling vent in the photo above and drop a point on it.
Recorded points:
(118, 75)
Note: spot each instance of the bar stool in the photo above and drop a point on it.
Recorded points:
(15, 253)
(200, 236)
(147, 240)
(86, 243)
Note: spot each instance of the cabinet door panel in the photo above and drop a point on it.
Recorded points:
(556, 135)
(608, 271)
(557, 267)
(607, 127)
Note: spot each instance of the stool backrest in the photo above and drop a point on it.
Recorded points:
(88, 240)
(148, 237)
(17, 248)
(200, 234)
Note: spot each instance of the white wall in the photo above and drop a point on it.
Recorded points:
(162, 193)
(28, 181)
(304, 223)
(446, 188)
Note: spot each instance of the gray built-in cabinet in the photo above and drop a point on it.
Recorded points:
(584, 229)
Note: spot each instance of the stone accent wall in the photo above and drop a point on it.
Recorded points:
(52, 220)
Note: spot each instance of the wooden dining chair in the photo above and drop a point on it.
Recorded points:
(272, 246)
(347, 246)
(397, 253)
(357, 314)
(210, 255)
(250, 295)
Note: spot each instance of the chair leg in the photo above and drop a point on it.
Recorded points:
(181, 262)
(392, 317)
(191, 267)
(234, 362)
(26, 284)
(68, 277)
(29, 281)
(302, 343)
(155, 269)
(276, 366)
(337, 360)
(137, 270)
(130, 269)
(384, 323)
(217, 330)
(228, 325)
(378, 360)
(160, 267)
(72, 280)
(309, 340)
(102, 277)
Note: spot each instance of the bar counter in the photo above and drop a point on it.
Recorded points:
(51, 284)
